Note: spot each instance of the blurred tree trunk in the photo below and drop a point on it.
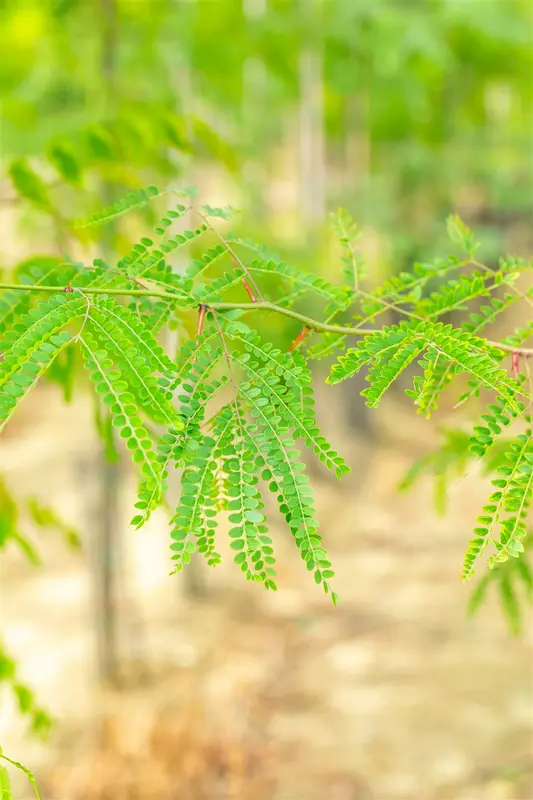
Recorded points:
(312, 140)
(313, 172)
(106, 563)
(107, 549)
(356, 172)
(254, 94)
(191, 578)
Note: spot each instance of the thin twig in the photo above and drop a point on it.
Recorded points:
(509, 348)
(263, 305)
(226, 353)
(232, 379)
(30, 776)
(388, 306)
(200, 326)
(249, 292)
(512, 287)
(86, 317)
(301, 336)
(119, 272)
(530, 381)
(230, 250)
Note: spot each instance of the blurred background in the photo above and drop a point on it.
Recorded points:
(200, 686)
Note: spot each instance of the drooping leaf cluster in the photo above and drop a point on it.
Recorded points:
(231, 412)
(443, 352)
(14, 518)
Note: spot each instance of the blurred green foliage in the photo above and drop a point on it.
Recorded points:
(426, 105)
(427, 108)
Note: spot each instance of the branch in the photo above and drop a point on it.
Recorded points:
(230, 250)
(30, 776)
(509, 348)
(264, 305)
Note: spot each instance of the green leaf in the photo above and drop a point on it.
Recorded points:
(5, 786)
(510, 604)
(479, 593)
(46, 517)
(253, 516)
(132, 201)
(4, 779)
(461, 234)
(28, 184)
(353, 262)
(66, 162)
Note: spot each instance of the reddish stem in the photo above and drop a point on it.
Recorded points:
(201, 317)
(515, 363)
(246, 285)
(305, 330)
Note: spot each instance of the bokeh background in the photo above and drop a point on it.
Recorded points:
(199, 686)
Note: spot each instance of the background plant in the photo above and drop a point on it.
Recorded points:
(98, 98)
(225, 448)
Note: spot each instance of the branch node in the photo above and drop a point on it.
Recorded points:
(303, 333)
(202, 309)
(246, 285)
(515, 363)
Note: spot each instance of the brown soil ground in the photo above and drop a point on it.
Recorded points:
(237, 693)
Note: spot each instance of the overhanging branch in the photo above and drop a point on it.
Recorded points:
(264, 305)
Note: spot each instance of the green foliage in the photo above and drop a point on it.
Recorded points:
(30, 346)
(231, 451)
(348, 234)
(5, 785)
(9, 526)
(505, 510)
(462, 235)
(229, 457)
(28, 184)
(390, 351)
(12, 534)
(79, 119)
(513, 585)
(270, 264)
(26, 702)
(451, 458)
(134, 200)
(45, 517)
(232, 412)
